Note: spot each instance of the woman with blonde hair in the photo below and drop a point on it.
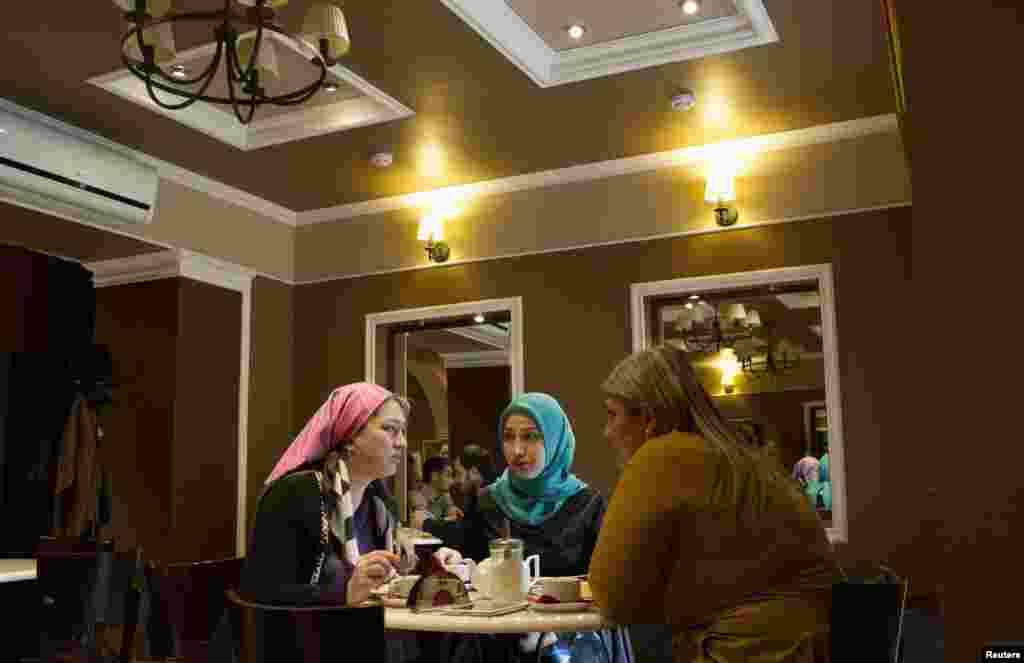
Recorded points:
(702, 533)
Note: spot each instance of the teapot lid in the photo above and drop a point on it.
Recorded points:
(506, 543)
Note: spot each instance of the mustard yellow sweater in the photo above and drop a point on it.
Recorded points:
(666, 555)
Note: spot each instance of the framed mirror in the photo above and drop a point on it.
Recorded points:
(764, 345)
(460, 364)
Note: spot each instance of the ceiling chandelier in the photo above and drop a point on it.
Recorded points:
(711, 329)
(244, 32)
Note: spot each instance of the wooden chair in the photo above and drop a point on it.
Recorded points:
(192, 596)
(316, 631)
(67, 571)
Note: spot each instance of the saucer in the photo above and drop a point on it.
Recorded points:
(580, 606)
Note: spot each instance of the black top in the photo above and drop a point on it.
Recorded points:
(285, 544)
(565, 541)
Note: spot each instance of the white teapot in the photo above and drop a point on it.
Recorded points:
(505, 575)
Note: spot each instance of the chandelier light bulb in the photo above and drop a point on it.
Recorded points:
(691, 7)
(576, 31)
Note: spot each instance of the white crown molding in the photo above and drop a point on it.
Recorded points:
(373, 107)
(784, 140)
(743, 225)
(475, 359)
(165, 170)
(170, 264)
(506, 31)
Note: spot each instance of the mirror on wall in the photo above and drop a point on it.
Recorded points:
(763, 344)
(459, 365)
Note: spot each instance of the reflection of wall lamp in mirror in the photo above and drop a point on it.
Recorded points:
(730, 368)
(720, 191)
(432, 232)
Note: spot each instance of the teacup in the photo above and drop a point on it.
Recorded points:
(563, 590)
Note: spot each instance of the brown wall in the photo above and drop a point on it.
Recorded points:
(272, 423)
(976, 519)
(24, 301)
(476, 398)
(588, 290)
(139, 322)
(205, 452)
(173, 430)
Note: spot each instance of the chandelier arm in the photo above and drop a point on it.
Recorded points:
(189, 96)
(234, 102)
(299, 96)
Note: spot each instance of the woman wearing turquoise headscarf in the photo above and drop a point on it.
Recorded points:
(554, 513)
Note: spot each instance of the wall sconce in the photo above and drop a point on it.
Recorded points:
(432, 232)
(721, 190)
(730, 368)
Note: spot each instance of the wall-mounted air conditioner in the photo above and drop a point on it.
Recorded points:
(50, 170)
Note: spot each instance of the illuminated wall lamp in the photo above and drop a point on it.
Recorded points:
(720, 191)
(432, 232)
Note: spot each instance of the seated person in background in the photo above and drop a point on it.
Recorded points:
(479, 470)
(556, 515)
(324, 524)
(805, 473)
(703, 534)
(434, 494)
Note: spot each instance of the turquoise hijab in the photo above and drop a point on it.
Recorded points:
(534, 500)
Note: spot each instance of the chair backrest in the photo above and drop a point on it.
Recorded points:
(193, 597)
(316, 631)
(68, 582)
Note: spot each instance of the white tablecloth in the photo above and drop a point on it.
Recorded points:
(13, 570)
(524, 621)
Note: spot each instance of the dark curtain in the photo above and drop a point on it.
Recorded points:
(54, 304)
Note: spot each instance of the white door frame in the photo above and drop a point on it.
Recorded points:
(822, 275)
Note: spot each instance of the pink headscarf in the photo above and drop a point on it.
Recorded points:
(806, 469)
(344, 412)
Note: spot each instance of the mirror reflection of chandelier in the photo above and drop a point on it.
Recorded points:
(245, 32)
(709, 329)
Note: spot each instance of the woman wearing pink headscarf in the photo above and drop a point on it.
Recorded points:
(323, 530)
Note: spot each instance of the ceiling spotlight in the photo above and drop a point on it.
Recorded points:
(689, 305)
(179, 71)
(382, 159)
(576, 31)
(478, 318)
(330, 88)
(694, 297)
(691, 7)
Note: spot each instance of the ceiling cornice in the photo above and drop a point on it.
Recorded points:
(824, 133)
(169, 264)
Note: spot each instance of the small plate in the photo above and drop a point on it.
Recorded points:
(581, 606)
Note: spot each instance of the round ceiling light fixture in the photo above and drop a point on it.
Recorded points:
(179, 71)
(382, 159)
(576, 31)
(690, 7)
(330, 88)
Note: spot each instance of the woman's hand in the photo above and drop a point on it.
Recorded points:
(455, 513)
(372, 571)
(448, 556)
(419, 516)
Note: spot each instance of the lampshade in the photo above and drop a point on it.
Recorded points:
(733, 313)
(431, 228)
(266, 59)
(155, 8)
(721, 186)
(273, 4)
(160, 37)
(326, 21)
